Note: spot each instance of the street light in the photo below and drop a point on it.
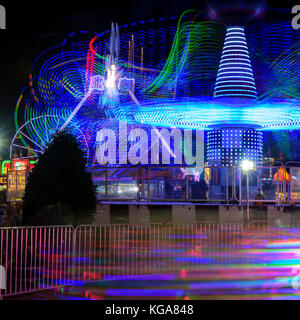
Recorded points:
(247, 165)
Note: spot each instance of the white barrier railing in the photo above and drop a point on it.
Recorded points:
(38, 258)
(35, 258)
(111, 251)
(2, 280)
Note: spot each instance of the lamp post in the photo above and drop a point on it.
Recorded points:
(247, 165)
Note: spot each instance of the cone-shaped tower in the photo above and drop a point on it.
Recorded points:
(229, 144)
(235, 76)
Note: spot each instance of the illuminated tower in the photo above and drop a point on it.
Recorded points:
(235, 76)
(229, 144)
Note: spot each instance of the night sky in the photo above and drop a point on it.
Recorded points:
(33, 26)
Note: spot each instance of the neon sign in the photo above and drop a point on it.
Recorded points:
(19, 164)
(16, 164)
(5, 167)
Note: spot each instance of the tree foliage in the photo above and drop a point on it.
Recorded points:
(59, 186)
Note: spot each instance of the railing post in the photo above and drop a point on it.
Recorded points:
(240, 187)
(290, 188)
(284, 185)
(74, 237)
(226, 184)
(143, 183)
(187, 187)
(148, 184)
(260, 182)
(277, 187)
(138, 184)
(106, 186)
(233, 183)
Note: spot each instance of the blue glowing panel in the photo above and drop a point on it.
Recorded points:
(235, 75)
(226, 147)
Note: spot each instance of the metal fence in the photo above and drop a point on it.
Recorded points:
(110, 251)
(36, 258)
(39, 258)
(272, 184)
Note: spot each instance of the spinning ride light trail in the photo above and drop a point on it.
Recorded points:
(51, 124)
(110, 86)
(169, 83)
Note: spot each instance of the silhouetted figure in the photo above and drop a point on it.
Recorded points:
(168, 190)
(259, 196)
(203, 189)
(199, 189)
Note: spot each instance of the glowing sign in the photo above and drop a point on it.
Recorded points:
(14, 175)
(3, 180)
(16, 183)
(5, 167)
(19, 164)
(282, 175)
(32, 164)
